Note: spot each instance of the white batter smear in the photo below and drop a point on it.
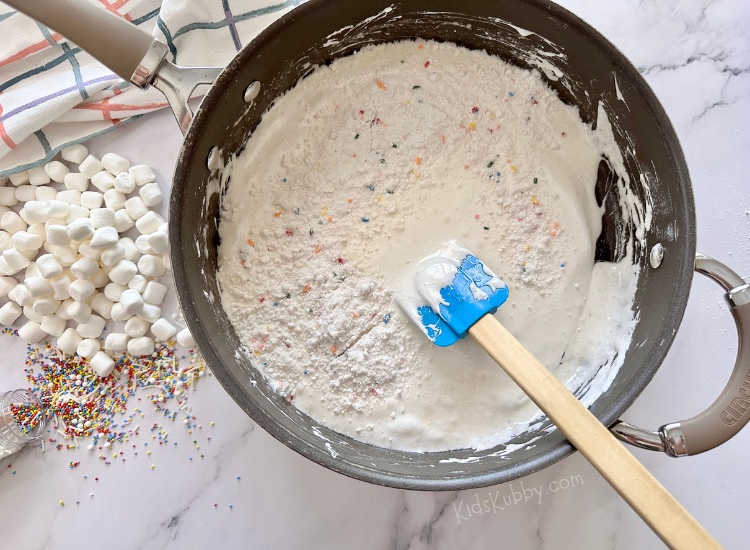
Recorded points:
(366, 167)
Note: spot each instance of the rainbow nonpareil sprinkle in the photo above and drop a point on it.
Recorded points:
(84, 405)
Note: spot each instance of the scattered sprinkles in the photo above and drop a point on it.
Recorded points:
(82, 405)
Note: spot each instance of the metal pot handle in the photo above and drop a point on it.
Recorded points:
(726, 416)
(131, 53)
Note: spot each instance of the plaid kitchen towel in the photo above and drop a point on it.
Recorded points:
(53, 95)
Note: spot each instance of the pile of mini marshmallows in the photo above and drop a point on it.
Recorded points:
(68, 268)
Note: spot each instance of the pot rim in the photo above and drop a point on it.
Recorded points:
(233, 386)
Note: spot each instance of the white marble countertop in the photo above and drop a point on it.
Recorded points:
(696, 56)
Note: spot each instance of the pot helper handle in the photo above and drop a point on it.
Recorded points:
(134, 55)
(726, 416)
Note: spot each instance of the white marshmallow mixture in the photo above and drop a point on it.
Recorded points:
(364, 168)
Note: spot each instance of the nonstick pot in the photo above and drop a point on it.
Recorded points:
(573, 59)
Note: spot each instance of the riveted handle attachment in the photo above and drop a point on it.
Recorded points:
(726, 416)
(131, 53)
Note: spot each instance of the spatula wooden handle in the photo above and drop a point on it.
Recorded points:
(642, 491)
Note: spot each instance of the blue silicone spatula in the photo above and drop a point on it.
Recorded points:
(455, 295)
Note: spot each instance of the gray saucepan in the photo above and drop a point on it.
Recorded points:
(588, 70)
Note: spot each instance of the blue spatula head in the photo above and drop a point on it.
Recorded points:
(453, 290)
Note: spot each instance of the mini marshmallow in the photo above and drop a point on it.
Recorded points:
(32, 315)
(58, 235)
(9, 313)
(76, 181)
(68, 341)
(131, 251)
(163, 330)
(31, 332)
(6, 285)
(21, 178)
(113, 255)
(115, 163)
(16, 259)
(74, 153)
(90, 166)
(38, 229)
(26, 193)
(12, 223)
(151, 266)
(122, 272)
(5, 239)
(113, 291)
(31, 271)
(102, 364)
(100, 278)
(116, 341)
(56, 170)
(150, 313)
(151, 194)
(53, 221)
(80, 229)
(114, 199)
(141, 346)
(30, 254)
(159, 242)
(35, 211)
(62, 311)
(76, 213)
(5, 269)
(53, 325)
(102, 217)
(142, 174)
(136, 207)
(80, 289)
(138, 283)
(103, 181)
(124, 183)
(118, 314)
(8, 196)
(104, 237)
(149, 223)
(88, 347)
(91, 199)
(45, 306)
(60, 287)
(38, 287)
(85, 250)
(71, 196)
(48, 266)
(25, 240)
(141, 243)
(185, 338)
(37, 176)
(56, 209)
(92, 328)
(131, 301)
(123, 221)
(65, 255)
(80, 312)
(44, 193)
(21, 295)
(101, 305)
(136, 327)
(84, 268)
(24, 217)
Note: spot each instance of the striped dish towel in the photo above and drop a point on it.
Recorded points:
(53, 95)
